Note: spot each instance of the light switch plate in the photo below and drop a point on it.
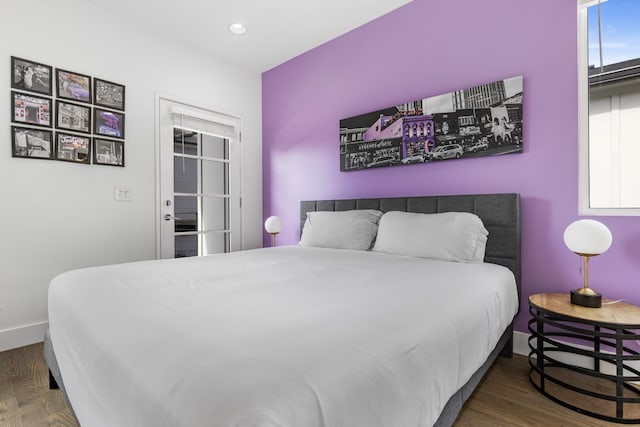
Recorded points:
(122, 195)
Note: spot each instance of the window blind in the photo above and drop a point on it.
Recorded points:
(189, 120)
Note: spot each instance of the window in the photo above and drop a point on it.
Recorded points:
(609, 78)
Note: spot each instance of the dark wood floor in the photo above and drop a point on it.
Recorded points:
(504, 398)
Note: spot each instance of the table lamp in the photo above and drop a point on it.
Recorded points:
(587, 238)
(273, 225)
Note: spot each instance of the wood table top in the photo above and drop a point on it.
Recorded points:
(618, 313)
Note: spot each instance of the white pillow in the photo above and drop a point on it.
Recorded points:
(341, 230)
(449, 236)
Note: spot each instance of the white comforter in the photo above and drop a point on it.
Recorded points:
(289, 336)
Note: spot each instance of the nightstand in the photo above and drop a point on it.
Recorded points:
(578, 351)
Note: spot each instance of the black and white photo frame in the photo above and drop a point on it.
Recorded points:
(73, 148)
(108, 94)
(31, 76)
(31, 110)
(73, 86)
(108, 123)
(31, 143)
(73, 117)
(108, 152)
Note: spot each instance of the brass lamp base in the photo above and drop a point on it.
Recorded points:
(586, 297)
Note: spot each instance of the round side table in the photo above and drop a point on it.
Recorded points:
(578, 351)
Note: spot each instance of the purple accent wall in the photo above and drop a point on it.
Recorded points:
(463, 43)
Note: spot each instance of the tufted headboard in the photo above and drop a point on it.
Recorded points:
(500, 214)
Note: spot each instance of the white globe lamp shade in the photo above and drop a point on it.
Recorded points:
(273, 225)
(587, 237)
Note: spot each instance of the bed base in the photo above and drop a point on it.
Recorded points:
(53, 384)
(55, 379)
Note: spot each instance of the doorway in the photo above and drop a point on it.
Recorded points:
(198, 181)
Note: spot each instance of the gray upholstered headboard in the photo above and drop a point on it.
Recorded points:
(500, 214)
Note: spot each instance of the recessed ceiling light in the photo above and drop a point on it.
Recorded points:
(238, 29)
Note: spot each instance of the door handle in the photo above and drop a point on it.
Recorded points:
(169, 217)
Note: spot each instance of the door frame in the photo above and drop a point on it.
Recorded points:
(226, 118)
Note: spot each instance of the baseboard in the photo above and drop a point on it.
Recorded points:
(521, 346)
(22, 335)
(521, 343)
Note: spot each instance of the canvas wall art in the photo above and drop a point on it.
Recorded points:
(484, 120)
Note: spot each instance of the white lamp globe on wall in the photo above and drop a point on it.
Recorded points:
(273, 226)
(587, 238)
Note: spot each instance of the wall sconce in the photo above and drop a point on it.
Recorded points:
(587, 238)
(273, 225)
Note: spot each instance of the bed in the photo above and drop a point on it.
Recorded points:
(289, 335)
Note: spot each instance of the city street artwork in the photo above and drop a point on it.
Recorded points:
(483, 120)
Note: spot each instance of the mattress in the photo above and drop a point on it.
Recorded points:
(284, 336)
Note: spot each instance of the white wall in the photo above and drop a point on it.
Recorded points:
(614, 111)
(56, 216)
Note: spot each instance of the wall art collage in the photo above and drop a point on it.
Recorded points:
(89, 115)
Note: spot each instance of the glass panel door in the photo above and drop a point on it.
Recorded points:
(198, 182)
(201, 193)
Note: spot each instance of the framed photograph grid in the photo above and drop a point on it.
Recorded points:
(87, 125)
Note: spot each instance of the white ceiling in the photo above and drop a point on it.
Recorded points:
(278, 30)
